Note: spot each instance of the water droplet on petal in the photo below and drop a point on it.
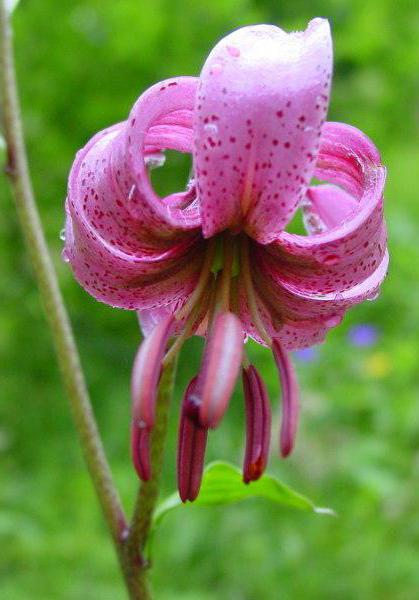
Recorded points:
(312, 222)
(308, 129)
(62, 235)
(64, 256)
(373, 296)
(338, 296)
(153, 161)
(211, 128)
(191, 184)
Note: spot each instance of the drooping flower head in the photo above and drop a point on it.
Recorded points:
(216, 259)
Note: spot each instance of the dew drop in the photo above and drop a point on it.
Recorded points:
(64, 256)
(62, 235)
(211, 128)
(312, 222)
(153, 161)
(191, 183)
(338, 296)
(308, 129)
(373, 296)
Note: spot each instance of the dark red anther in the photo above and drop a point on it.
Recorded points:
(192, 442)
(290, 398)
(140, 450)
(258, 425)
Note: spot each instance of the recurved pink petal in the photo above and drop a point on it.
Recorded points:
(290, 398)
(112, 239)
(293, 333)
(147, 124)
(352, 246)
(262, 99)
(220, 367)
(295, 302)
(146, 373)
(191, 446)
(327, 206)
(258, 425)
(146, 278)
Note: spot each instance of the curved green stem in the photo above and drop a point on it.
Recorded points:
(129, 542)
(65, 347)
(148, 493)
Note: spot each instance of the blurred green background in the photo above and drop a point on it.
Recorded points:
(81, 65)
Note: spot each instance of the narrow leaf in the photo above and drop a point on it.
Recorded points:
(223, 484)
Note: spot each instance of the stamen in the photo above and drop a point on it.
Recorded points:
(258, 425)
(250, 292)
(140, 450)
(197, 314)
(224, 280)
(220, 367)
(202, 282)
(146, 372)
(290, 398)
(191, 446)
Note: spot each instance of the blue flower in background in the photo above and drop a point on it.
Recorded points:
(363, 336)
(307, 355)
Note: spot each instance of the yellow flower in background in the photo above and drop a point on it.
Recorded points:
(378, 365)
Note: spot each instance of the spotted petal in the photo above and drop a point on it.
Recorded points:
(262, 99)
(121, 238)
(321, 275)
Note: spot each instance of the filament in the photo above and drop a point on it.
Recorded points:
(251, 294)
(201, 285)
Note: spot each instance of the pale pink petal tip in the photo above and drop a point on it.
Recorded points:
(146, 373)
(261, 103)
(192, 442)
(290, 399)
(258, 425)
(140, 451)
(220, 367)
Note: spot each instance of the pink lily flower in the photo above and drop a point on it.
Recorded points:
(216, 259)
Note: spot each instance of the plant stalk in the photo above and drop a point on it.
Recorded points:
(58, 320)
(148, 492)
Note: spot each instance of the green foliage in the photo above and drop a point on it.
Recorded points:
(81, 64)
(222, 484)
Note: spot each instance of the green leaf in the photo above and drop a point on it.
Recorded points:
(223, 484)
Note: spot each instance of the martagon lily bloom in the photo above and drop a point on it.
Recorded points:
(216, 259)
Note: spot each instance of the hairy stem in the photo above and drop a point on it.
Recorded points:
(148, 493)
(59, 323)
